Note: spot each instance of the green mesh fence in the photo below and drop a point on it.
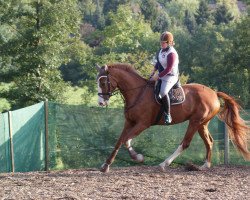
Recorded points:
(5, 164)
(83, 137)
(28, 140)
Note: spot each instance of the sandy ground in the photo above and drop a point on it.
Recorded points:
(141, 182)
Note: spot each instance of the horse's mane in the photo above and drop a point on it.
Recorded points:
(126, 67)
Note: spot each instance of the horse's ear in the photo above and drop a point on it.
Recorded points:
(106, 67)
(97, 67)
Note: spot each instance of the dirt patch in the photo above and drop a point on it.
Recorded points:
(143, 182)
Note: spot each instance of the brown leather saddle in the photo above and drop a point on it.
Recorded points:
(176, 94)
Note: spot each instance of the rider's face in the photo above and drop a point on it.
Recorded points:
(164, 45)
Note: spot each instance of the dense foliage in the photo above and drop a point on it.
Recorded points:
(46, 46)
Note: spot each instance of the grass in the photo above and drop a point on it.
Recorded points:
(80, 95)
(4, 104)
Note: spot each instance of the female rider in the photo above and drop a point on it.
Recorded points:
(168, 70)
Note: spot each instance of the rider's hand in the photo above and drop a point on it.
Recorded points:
(154, 78)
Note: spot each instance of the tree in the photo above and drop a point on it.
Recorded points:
(222, 15)
(46, 31)
(162, 22)
(238, 61)
(209, 45)
(92, 11)
(149, 9)
(112, 5)
(189, 21)
(217, 58)
(99, 16)
(127, 32)
(203, 14)
(88, 8)
(176, 10)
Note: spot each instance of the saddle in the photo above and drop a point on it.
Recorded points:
(176, 94)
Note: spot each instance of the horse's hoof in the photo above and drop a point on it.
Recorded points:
(139, 158)
(192, 167)
(204, 168)
(104, 168)
(162, 167)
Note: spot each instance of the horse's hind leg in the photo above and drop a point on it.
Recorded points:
(192, 128)
(208, 141)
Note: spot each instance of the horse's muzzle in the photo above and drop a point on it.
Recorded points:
(103, 103)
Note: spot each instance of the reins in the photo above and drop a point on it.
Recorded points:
(119, 90)
(116, 91)
(138, 97)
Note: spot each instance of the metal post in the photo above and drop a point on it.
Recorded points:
(226, 148)
(11, 142)
(46, 135)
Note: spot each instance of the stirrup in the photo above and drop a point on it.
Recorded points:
(168, 119)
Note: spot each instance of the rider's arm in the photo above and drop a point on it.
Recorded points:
(170, 63)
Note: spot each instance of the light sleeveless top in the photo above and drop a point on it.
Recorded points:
(162, 56)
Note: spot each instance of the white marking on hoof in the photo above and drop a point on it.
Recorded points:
(205, 166)
(162, 167)
(139, 158)
(105, 168)
(167, 162)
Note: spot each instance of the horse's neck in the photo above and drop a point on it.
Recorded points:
(130, 85)
(127, 81)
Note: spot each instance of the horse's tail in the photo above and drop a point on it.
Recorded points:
(237, 128)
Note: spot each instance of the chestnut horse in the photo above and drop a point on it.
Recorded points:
(200, 106)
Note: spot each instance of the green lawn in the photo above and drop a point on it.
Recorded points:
(78, 96)
(4, 104)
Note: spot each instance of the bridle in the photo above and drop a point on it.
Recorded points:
(100, 94)
(109, 93)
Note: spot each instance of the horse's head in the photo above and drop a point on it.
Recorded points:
(105, 84)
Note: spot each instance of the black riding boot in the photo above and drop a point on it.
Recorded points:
(166, 107)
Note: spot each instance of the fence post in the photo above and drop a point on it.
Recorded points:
(11, 142)
(226, 145)
(46, 135)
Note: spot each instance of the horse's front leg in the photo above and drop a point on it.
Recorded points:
(133, 154)
(127, 133)
(111, 158)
